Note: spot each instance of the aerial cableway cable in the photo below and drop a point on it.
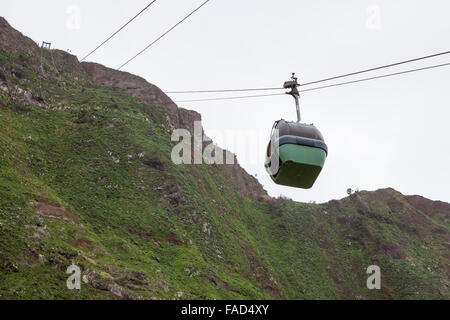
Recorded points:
(224, 90)
(163, 35)
(323, 87)
(317, 81)
(120, 29)
(233, 98)
(377, 77)
(378, 68)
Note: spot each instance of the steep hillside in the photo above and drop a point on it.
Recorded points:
(86, 177)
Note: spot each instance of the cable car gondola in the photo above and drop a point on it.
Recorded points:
(296, 152)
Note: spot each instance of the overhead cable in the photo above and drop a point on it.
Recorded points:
(120, 29)
(323, 87)
(163, 35)
(317, 81)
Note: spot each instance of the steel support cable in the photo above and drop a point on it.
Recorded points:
(377, 68)
(324, 87)
(120, 29)
(224, 90)
(163, 35)
(376, 77)
(317, 81)
(233, 98)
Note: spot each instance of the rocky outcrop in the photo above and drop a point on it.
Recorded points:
(248, 185)
(12, 40)
(138, 87)
(49, 211)
(66, 63)
(132, 84)
(435, 209)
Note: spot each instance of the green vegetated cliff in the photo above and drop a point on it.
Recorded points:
(86, 178)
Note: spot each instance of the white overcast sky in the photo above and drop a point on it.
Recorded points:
(385, 133)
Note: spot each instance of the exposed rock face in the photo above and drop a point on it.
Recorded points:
(436, 209)
(132, 84)
(66, 63)
(53, 212)
(141, 89)
(13, 40)
(248, 185)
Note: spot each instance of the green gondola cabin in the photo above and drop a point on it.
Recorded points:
(300, 151)
(297, 152)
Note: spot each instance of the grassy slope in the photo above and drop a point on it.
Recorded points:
(163, 231)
